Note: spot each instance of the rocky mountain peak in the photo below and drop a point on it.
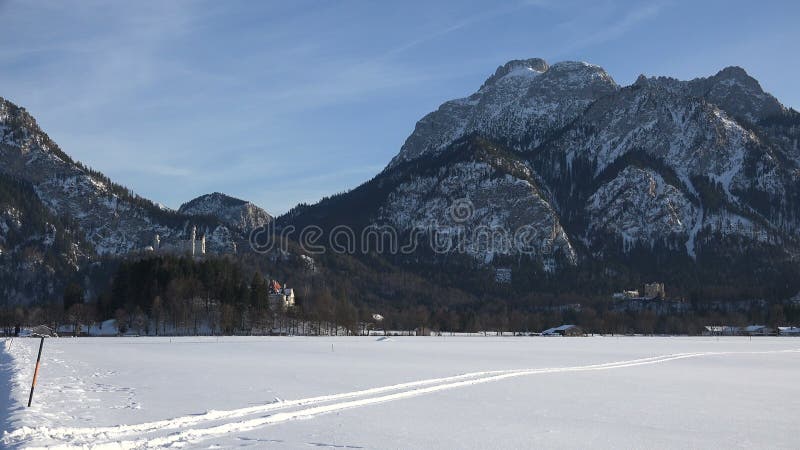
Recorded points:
(523, 67)
(738, 94)
(575, 80)
(521, 103)
(231, 211)
(735, 72)
(216, 198)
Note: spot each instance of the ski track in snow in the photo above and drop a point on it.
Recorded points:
(224, 422)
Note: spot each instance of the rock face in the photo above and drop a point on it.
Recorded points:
(639, 204)
(598, 169)
(233, 212)
(492, 201)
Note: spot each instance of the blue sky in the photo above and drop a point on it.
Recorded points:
(286, 102)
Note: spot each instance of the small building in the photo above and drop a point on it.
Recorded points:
(757, 330)
(721, 330)
(789, 331)
(280, 298)
(625, 295)
(654, 290)
(564, 330)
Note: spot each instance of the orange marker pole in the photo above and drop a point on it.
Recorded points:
(36, 371)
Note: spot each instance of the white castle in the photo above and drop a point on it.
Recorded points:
(197, 247)
(192, 246)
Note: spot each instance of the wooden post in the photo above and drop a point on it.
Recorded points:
(36, 371)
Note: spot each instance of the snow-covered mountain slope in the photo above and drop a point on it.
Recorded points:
(112, 219)
(701, 144)
(487, 200)
(231, 211)
(523, 102)
(639, 204)
(661, 164)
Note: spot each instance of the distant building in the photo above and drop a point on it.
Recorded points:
(789, 331)
(626, 295)
(280, 298)
(654, 290)
(651, 291)
(721, 330)
(564, 330)
(194, 246)
(197, 246)
(757, 330)
(502, 275)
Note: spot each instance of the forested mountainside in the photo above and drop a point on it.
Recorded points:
(35, 245)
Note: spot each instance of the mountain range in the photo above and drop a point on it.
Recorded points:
(696, 175)
(693, 168)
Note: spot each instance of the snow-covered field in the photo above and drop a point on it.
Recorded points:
(415, 392)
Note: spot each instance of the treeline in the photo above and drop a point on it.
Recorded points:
(167, 295)
(600, 320)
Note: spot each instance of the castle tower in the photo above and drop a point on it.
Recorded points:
(156, 242)
(203, 244)
(193, 239)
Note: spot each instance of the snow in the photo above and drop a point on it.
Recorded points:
(412, 392)
(523, 72)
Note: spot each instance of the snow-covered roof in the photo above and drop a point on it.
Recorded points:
(559, 328)
(719, 328)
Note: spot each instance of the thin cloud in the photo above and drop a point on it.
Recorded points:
(614, 30)
(461, 24)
